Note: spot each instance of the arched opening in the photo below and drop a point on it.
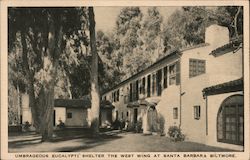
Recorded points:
(230, 120)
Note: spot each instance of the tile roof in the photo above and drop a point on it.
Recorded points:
(74, 103)
(231, 46)
(231, 86)
(80, 103)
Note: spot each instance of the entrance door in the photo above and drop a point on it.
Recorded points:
(152, 119)
(54, 118)
(135, 115)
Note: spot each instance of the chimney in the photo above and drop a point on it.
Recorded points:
(216, 35)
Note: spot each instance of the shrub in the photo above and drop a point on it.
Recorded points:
(175, 134)
(161, 125)
(26, 126)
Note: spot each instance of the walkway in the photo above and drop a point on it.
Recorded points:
(112, 141)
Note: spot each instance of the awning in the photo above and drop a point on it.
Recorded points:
(231, 46)
(152, 101)
(231, 86)
(105, 104)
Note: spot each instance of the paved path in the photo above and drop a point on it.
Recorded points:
(109, 142)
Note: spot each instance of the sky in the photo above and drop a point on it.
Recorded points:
(106, 16)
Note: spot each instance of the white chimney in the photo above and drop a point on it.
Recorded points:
(216, 35)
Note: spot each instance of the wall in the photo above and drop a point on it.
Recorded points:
(191, 89)
(105, 120)
(60, 114)
(79, 117)
(170, 99)
(26, 110)
(225, 68)
(214, 103)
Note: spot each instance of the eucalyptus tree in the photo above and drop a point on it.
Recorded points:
(40, 35)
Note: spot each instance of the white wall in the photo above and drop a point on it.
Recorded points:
(225, 68)
(214, 103)
(216, 35)
(26, 110)
(79, 117)
(191, 89)
(170, 99)
(60, 114)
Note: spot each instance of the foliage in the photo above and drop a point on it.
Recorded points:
(161, 120)
(175, 133)
(186, 27)
(38, 38)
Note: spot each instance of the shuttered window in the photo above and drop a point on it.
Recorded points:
(165, 81)
(148, 85)
(197, 112)
(174, 73)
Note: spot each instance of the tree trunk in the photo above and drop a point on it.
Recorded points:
(95, 97)
(30, 78)
(47, 98)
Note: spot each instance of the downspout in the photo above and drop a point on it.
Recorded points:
(206, 115)
(180, 94)
(179, 54)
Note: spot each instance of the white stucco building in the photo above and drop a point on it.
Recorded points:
(184, 84)
(74, 113)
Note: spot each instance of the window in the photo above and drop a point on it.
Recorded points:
(165, 81)
(153, 84)
(125, 99)
(196, 67)
(118, 94)
(230, 121)
(136, 90)
(148, 85)
(174, 73)
(143, 85)
(114, 96)
(197, 112)
(175, 113)
(127, 114)
(130, 92)
(69, 115)
(159, 82)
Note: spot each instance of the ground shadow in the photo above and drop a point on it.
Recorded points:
(84, 136)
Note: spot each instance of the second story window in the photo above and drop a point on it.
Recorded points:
(165, 80)
(143, 85)
(153, 84)
(130, 92)
(196, 67)
(118, 94)
(174, 73)
(136, 90)
(148, 85)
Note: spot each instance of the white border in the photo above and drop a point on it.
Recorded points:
(60, 3)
